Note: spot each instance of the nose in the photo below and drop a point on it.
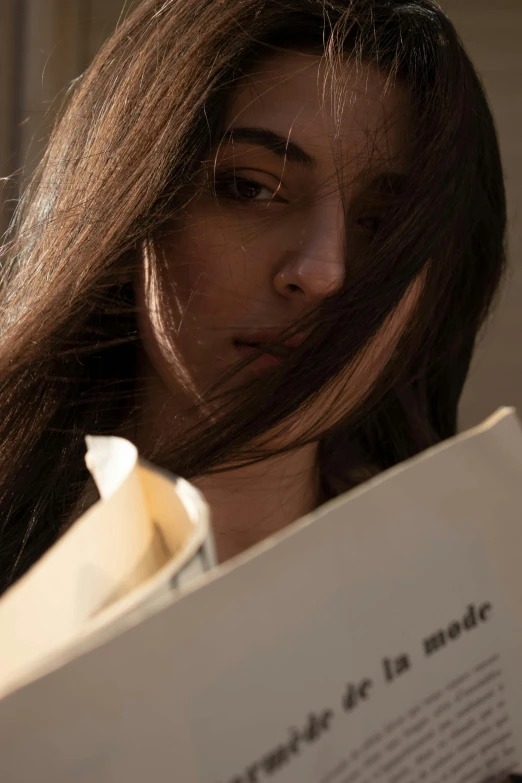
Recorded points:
(313, 266)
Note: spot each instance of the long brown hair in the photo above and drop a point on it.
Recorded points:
(128, 145)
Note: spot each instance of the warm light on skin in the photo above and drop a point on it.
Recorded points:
(228, 268)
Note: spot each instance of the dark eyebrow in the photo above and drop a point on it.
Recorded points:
(283, 148)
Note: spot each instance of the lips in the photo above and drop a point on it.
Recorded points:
(269, 342)
(266, 349)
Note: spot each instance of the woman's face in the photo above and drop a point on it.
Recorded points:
(268, 236)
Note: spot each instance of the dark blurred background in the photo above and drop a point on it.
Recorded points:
(45, 44)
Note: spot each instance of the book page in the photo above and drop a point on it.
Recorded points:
(125, 550)
(379, 639)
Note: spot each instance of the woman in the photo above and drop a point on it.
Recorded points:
(261, 244)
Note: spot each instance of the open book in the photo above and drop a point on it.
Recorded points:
(377, 639)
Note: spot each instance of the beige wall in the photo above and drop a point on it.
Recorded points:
(44, 45)
(9, 40)
(55, 41)
(62, 35)
(492, 31)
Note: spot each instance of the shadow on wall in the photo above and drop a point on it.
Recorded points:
(44, 46)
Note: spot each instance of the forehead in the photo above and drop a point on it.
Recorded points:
(295, 95)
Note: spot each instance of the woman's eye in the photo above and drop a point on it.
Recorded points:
(246, 190)
(370, 224)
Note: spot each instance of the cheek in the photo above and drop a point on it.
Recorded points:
(197, 282)
(215, 266)
(202, 259)
(158, 323)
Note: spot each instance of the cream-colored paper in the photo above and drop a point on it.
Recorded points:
(123, 551)
(378, 639)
